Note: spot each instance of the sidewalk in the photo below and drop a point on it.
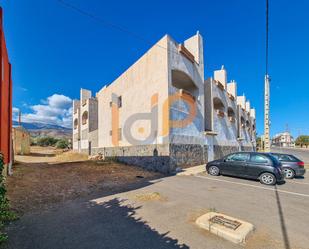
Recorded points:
(192, 170)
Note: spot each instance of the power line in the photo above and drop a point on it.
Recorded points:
(109, 24)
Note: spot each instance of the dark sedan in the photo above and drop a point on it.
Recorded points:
(252, 165)
(291, 165)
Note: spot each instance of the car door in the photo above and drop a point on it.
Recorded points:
(257, 164)
(235, 164)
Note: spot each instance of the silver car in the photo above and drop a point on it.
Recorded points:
(292, 166)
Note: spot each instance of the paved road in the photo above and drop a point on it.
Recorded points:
(280, 215)
(302, 154)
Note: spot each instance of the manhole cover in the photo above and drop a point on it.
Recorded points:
(221, 220)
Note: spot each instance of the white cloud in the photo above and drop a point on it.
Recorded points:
(56, 109)
(15, 110)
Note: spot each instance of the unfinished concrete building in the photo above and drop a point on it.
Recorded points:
(162, 114)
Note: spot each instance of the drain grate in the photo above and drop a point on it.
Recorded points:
(221, 220)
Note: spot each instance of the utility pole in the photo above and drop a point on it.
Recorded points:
(266, 93)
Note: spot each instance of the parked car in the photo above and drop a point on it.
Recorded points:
(252, 165)
(291, 165)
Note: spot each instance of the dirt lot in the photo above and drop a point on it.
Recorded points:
(39, 185)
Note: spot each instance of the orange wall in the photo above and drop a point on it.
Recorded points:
(5, 97)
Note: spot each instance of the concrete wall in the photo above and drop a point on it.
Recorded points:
(21, 141)
(143, 83)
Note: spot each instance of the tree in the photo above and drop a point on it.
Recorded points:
(302, 140)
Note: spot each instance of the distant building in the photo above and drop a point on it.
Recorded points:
(21, 141)
(283, 139)
(161, 113)
(5, 101)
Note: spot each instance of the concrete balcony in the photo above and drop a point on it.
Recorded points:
(185, 52)
(231, 97)
(220, 113)
(232, 119)
(219, 85)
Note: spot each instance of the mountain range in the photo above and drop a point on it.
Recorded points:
(42, 129)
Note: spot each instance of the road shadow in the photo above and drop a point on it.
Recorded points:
(111, 224)
(284, 231)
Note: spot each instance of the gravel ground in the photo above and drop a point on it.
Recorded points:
(36, 186)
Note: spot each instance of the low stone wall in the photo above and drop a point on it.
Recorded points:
(152, 157)
(187, 155)
(221, 150)
(248, 148)
(166, 158)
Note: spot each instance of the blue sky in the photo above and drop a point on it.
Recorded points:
(56, 51)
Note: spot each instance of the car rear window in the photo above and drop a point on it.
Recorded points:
(287, 158)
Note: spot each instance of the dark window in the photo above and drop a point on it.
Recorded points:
(119, 101)
(85, 117)
(259, 159)
(287, 158)
(238, 157)
(111, 104)
(155, 152)
(110, 132)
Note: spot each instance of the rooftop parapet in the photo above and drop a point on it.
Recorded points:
(252, 113)
(241, 101)
(248, 106)
(85, 94)
(76, 105)
(195, 46)
(232, 89)
(221, 76)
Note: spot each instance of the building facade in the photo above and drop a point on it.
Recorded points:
(283, 139)
(161, 113)
(5, 101)
(21, 141)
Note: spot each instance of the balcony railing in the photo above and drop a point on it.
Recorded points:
(182, 49)
(231, 97)
(220, 113)
(219, 84)
(232, 119)
(183, 92)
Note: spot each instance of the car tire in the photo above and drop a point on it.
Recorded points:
(289, 173)
(213, 170)
(268, 179)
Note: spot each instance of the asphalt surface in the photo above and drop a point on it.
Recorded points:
(301, 153)
(280, 215)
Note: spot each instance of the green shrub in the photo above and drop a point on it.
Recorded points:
(5, 213)
(62, 144)
(46, 141)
